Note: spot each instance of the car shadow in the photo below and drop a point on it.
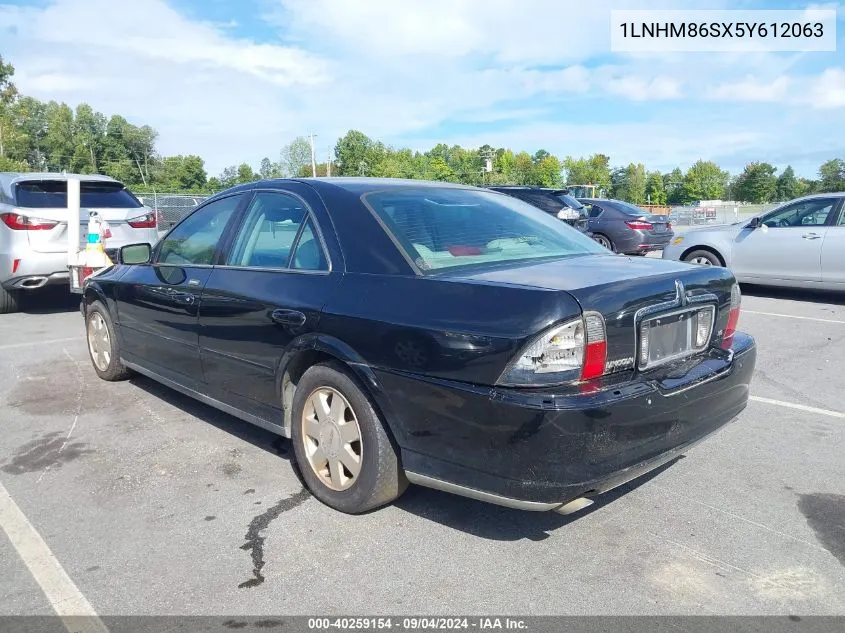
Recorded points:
(480, 519)
(49, 300)
(255, 435)
(793, 294)
(497, 523)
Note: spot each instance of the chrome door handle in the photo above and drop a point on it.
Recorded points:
(811, 236)
(288, 317)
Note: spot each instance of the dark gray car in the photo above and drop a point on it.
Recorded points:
(625, 228)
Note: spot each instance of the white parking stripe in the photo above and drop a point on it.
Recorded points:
(793, 316)
(64, 596)
(44, 342)
(799, 407)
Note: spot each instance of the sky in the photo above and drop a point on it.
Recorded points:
(235, 80)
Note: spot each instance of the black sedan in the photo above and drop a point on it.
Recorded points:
(625, 228)
(555, 202)
(403, 331)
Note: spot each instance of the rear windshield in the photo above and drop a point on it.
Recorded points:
(52, 194)
(629, 209)
(569, 201)
(452, 228)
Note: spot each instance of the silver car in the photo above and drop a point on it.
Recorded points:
(801, 243)
(33, 227)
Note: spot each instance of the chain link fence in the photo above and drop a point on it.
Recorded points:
(725, 213)
(170, 207)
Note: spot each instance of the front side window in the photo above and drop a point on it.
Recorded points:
(806, 213)
(196, 240)
(452, 228)
(52, 194)
(277, 233)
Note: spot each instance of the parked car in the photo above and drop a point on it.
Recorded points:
(404, 331)
(33, 227)
(625, 228)
(801, 244)
(555, 202)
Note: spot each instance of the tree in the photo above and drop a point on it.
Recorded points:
(757, 183)
(594, 170)
(294, 156)
(787, 184)
(673, 183)
(8, 91)
(354, 154)
(704, 181)
(832, 176)
(269, 169)
(245, 174)
(654, 190)
(629, 183)
(180, 173)
(548, 171)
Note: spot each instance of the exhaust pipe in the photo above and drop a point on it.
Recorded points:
(31, 283)
(574, 506)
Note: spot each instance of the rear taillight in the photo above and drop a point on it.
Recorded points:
(733, 317)
(595, 352)
(668, 226)
(18, 222)
(146, 221)
(639, 225)
(568, 353)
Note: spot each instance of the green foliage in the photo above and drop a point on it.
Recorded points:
(673, 184)
(757, 183)
(594, 170)
(704, 181)
(655, 193)
(294, 157)
(832, 176)
(787, 185)
(629, 183)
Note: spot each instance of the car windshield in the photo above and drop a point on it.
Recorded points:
(452, 228)
(52, 194)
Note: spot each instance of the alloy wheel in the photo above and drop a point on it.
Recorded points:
(702, 261)
(332, 438)
(99, 342)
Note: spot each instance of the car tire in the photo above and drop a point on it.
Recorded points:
(604, 240)
(328, 448)
(702, 258)
(9, 301)
(103, 347)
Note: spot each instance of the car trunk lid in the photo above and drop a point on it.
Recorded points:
(625, 290)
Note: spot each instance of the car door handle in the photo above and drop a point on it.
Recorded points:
(811, 236)
(288, 317)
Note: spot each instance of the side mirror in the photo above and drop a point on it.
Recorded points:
(755, 223)
(135, 254)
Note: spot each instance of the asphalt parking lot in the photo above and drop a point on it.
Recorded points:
(154, 504)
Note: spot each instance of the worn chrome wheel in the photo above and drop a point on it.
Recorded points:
(99, 342)
(332, 438)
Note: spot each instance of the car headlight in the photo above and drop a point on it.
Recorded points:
(677, 240)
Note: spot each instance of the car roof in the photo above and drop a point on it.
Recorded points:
(9, 178)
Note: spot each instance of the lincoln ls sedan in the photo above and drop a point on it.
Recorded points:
(403, 331)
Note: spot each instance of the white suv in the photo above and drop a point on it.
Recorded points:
(33, 227)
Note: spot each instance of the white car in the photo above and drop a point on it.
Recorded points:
(800, 244)
(33, 227)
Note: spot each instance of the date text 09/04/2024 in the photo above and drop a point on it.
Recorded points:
(416, 623)
(721, 29)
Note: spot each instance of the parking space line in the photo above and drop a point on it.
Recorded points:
(64, 596)
(793, 316)
(799, 407)
(52, 341)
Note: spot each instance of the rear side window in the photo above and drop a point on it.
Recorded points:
(269, 231)
(453, 228)
(595, 211)
(52, 194)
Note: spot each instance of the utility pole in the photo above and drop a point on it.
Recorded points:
(313, 158)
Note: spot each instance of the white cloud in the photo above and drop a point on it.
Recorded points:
(828, 90)
(750, 89)
(643, 89)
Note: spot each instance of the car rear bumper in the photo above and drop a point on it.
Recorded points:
(30, 270)
(538, 450)
(642, 242)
